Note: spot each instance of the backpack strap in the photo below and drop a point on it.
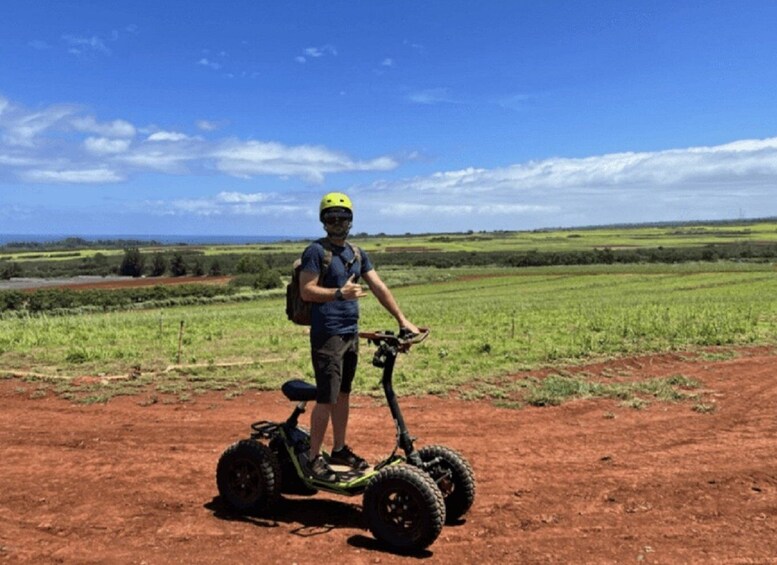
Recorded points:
(328, 253)
(357, 254)
(327, 260)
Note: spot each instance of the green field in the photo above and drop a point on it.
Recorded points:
(550, 240)
(669, 236)
(483, 330)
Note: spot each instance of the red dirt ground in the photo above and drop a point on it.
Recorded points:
(113, 284)
(586, 482)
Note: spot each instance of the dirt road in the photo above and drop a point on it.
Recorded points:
(587, 482)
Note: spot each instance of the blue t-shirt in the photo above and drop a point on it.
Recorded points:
(337, 317)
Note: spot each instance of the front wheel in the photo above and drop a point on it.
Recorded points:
(248, 477)
(404, 508)
(453, 475)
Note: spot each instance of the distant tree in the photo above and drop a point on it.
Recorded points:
(178, 265)
(251, 264)
(100, 260)
(158, 265)
(215, 268)
(198, 270)
(133, 263)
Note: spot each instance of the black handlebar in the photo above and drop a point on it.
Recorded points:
(402, 341)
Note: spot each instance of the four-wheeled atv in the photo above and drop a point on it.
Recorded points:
(407, 497)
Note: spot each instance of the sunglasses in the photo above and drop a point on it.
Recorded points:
(337, 217)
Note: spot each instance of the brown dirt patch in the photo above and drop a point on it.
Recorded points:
(114, 284)
(589, 481)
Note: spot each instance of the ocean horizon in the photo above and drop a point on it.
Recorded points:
(189, 239)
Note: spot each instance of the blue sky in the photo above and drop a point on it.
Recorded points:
(234, 118)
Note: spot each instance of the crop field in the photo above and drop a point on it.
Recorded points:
(545, 240)
(548, 240)
(485, 327)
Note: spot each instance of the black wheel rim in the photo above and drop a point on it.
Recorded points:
(244, 481)
(400, 509)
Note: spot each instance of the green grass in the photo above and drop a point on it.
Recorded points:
(556, 389)
(482, 330)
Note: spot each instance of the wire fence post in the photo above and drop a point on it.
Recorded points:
(180, 344)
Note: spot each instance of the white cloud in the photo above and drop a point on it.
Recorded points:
(115, 128)
(387, 62)
(78, 176)
(231, 204)
(168, 136)
(671, 168)
(80, 45)
(105, 146)
(431, 96)
(171, 161)
(312, 163)
(47, 142)
(712, 182)
(316, 53)
(462, 210)
(208, 125)
(515, 102)
(204, 62)
(17, 160)
(43, 140)
(21, 127)
(240, 197)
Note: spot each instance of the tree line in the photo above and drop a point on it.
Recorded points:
(134, 263)
(709, 253)
(267, 269)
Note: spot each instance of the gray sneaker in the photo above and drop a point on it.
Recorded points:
(320, 470)
(348, 458)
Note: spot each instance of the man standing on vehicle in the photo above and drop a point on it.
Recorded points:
(334, 339)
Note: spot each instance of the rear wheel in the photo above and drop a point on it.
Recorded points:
(248, 477)
(404, 508)
(454, 476)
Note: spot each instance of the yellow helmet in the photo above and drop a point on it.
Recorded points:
(335, 200)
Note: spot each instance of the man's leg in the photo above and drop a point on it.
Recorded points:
(327, 364)
(350, 359)
(319, 420)
(339, 420)
(341, 454)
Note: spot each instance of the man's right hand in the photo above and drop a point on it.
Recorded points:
(352, 290)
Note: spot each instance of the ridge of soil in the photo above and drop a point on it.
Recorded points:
(589, 481)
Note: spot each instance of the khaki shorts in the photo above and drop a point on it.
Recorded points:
(334, 362)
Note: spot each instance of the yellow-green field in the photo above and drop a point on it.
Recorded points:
(483, 328)
(544, 240)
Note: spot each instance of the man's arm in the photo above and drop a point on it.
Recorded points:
(312, 292)
(384, 296)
